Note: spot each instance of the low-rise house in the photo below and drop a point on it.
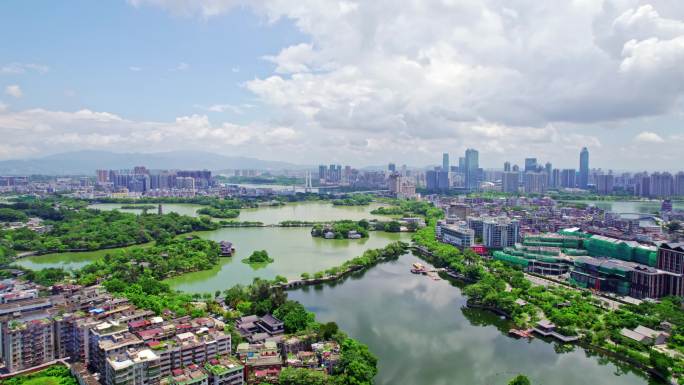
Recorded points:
(225, 370)
(646, 335)
(262, 361)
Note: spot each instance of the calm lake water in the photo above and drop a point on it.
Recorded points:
(303, 211)
(422, 334)
(294, 250)
(69, 261)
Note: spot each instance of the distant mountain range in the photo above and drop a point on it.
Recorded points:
(86, 162)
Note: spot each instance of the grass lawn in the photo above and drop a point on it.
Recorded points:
(43, 381)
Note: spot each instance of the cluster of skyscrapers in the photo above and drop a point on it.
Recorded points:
(142, 180)
(466, 176)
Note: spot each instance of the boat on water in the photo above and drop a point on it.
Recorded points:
(418, 268)
(520, 333)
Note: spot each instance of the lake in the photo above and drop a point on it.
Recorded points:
(303, 211)
(294, 250)
(422, 334)
(68, 260)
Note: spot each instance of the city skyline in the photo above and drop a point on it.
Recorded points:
(180, 75)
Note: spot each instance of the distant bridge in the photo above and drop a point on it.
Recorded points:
(641, 216)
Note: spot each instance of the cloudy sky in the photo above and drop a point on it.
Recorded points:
(358, 82)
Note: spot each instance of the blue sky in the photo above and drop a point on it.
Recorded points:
(347, 81)
(111, 56)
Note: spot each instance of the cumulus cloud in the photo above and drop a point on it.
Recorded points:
(236, 109)
(14, 91)
(37, 131)
(648, 137)
(419, 77)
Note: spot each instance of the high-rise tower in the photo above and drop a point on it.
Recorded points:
(584, 168)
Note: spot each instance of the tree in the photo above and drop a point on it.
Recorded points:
(295, 317)
(300, 376)
(674, 226)
(357, 365)
(328, 330)
(520, 380)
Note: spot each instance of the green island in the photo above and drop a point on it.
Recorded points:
(258, 258)
(404, 208)
(341, 230)
(138, 207)
(53, 375)
(218, 213)
(224, 223)
(353, 200)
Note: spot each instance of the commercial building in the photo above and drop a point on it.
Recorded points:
(509, 182)
(500, 232)
(584, 169)
(671, 259)
(458, 235)
(472, 166)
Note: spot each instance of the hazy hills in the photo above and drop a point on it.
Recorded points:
(86, 162)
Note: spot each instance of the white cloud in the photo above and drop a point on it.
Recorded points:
(14, 91)
(37, 131)
(375, 79)
(135, 68)
(3, 107)
(182, 66)
(235, 69)
(648, 137)
(236, 109)
(20, 68)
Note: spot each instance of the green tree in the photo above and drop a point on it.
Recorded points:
(519, 380)
(300, 376)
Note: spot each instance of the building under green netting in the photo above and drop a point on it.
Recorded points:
(605, 247)
(553, 253)
(554, 240)
(512, 259)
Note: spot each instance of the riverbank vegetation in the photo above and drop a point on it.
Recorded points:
(406, 208)
(167, 258)
(367, 259)
(241, 223)
(76, 228)
(138, 207)
(575, 312)
(341, 229)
